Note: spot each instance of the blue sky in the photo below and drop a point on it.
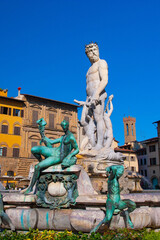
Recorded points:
(42, 51)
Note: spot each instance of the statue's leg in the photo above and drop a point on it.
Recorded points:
(131, 206)
(50, 161)
(98, 116)
(109, 213)
(39, 151)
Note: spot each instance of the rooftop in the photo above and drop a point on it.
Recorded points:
(117, 149)
(11, 98)
(155, 139)
(32, 96)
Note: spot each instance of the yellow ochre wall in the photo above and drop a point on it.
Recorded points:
(10, 139)
(3, 92)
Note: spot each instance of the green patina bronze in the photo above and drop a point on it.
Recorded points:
(4, 217)
(114, 202)
(44, 199)
(64, 154)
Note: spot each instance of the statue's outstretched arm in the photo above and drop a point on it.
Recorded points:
(54, 141)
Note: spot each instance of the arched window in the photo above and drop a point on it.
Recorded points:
(17, 130)
(15, 150)
(127, 129)
(3, 151)
(132, 128)
(10, 173)
(4, 128)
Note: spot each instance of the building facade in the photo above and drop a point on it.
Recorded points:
(148, 160)
(11, 117)
(19, 130)
(131, 161)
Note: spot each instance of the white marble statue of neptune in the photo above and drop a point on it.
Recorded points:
(93, 108)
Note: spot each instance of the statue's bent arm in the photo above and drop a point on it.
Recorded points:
(54, 141)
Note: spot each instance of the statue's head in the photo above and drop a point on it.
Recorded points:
(65, 125)
(92, 52)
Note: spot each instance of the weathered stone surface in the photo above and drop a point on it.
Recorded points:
(78, 219)
(84, 220)
(45, 218)
(142, 199)
(56, 189)
(18, 198)
(23, 218)
(61, 219)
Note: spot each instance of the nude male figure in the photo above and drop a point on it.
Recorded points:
(96, 80)
(114, 202)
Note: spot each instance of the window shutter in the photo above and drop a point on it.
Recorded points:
(15, 152)
(16, 130)
(34, 117)
(4, 129)
(51, 121)
(4, 153)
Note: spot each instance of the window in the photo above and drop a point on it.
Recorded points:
(132, 158)
(127, 129)
(3, 151)
(33, 144)
(16, 152)
(152, 161)
(141, 152)
(66, 118)
(154, 171)
(4, 129)
(152, 148)
(141, 161)
(17, 130)
(145, 162)
(132, 128)
(141, 172)
(5, 110)
(145, 173)
(10, 173)
(34, 117)
(16, 112)
(51, 121)
(144, 151)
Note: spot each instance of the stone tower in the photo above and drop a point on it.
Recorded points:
(129, 129)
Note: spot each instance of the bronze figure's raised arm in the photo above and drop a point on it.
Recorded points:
(64, 154)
